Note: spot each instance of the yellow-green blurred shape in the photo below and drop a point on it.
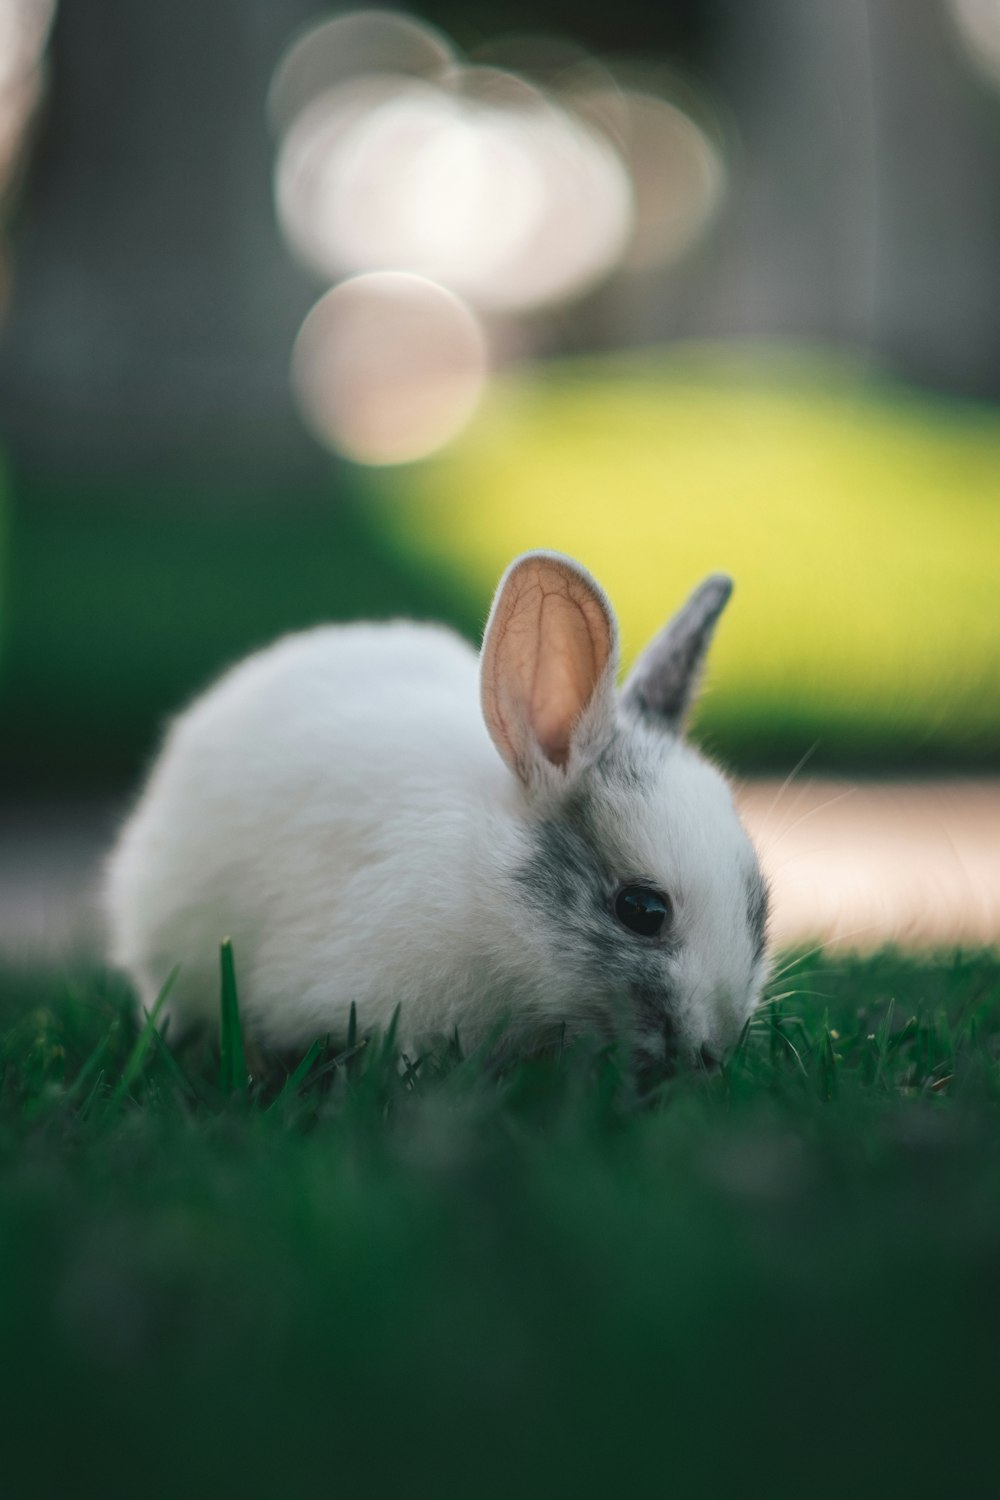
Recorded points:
(860, 520)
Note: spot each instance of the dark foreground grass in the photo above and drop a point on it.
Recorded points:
(356, 1278)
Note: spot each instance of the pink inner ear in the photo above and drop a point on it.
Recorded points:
(567, 667)
(548, 644)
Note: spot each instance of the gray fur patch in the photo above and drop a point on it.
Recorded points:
(619, 764)
(664, 680)
(571, 876)
(757, 913)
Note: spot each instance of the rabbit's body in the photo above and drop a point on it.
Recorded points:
(312, 873)
(337, 806)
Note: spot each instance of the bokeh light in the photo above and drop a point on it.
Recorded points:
(978, 25)
(677, 172)
(357, 45)
(388, 367)
(485, 186)
(519, 180)
(24, 31)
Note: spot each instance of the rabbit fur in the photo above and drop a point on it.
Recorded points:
(375, 815)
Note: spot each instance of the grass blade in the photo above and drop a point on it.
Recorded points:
(827, 1066)
(136, 1060)
(297, 1078)
(232, 1055)
(91, 1066)
(186, 1086)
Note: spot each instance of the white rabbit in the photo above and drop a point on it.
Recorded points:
(374, 816)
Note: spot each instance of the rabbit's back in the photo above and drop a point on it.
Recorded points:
(317, 805)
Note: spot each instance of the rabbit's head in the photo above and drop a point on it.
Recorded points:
(641, 909)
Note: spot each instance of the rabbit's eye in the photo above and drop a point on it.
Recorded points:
(641, 909)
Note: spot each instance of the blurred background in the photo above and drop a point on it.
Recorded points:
(309, 312)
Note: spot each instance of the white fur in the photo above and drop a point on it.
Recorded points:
(336, 806)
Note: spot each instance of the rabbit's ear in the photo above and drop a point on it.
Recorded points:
(550, 654)
(664, 680)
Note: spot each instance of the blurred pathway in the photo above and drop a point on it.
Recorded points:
(854, 863)
(864, 863)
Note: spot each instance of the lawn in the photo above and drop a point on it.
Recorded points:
(361, 1279)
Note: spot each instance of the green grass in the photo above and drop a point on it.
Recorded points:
(223, 1274)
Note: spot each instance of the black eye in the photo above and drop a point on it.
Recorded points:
(642, 909)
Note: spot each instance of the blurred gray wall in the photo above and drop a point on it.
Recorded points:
(865, 201)
(154, 303)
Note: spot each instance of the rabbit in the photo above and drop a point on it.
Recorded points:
(375, 815)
